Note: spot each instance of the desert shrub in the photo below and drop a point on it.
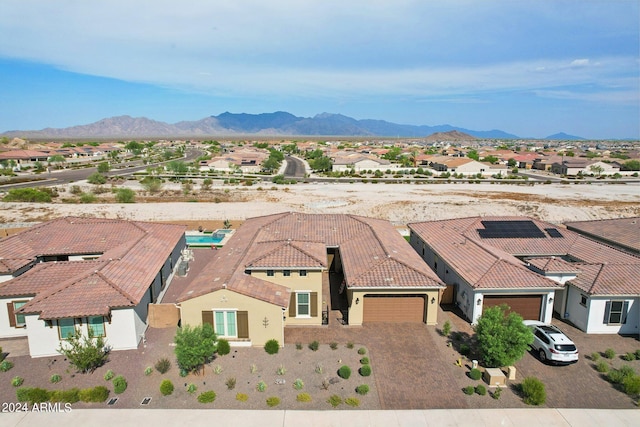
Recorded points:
(362, 351)
(119, 384)
(192, 388)
(242, 397)
(533, 391)
(125, 195)
(148, 370)
(319, 369)
(446, 328)
(298, 346)
(55, 378)
(333, 345)
(272, 346)
(273, 401)
(230, 383)
(94, 394)
(96, 178)
(65, 396)
(183, 372)
(281, 370)
(194, 346)
(87, 198)
(207, 397)
(637, 353)
(334, 400)
(365, 370)
(350, 345)
(223, 347)
(325, 384)
(496, 393)
(17, 381)
(5, 365)
(629, 357)
(166, 387)
(465, 350)
(352, 401)
(298, 384)
(261, 386)
(364, 360)
(84, 352)
(27, 195)
(362, 389)
(475, 374)
(163, 365)
(314, 345)
(108, 376)
(595, 356)
(469, 390)
(32, 394)
(602, 367)
(344, 372)
(217, 369)
(303, 397)
(481, 390)
(617, 376)
(631, 385)
(609, 353)
(253, 368)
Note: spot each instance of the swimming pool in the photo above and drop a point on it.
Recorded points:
(206, 239)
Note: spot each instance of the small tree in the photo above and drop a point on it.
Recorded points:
(195, 346)
(103, 167)
(151, 184)
(125, 195)
(503, 338)
(96, 178)
(84, 352)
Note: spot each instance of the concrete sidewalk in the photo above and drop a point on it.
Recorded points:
(354, 418)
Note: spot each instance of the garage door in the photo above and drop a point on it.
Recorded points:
(393, 309)
(527, 306)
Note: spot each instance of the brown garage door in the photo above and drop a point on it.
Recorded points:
(527, 306)
(393, 309)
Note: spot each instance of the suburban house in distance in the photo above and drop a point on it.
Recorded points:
(535, 268)
(294, 269)
(87, 274)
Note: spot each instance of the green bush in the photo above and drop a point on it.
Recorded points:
(148, 371)
(637, 353)
(631, 385)
(5, 365)
(333, 345)
(272, 346)
(533, 391)
(496, 393)
(207, 397)
(27, 195)
(469, 390)
(481, 390)
(629, 357)
(298, 346)
(166, 387)
(314, 345)
(344, 372)
(192, 388)
(96, 178)
(303, 397)
(475, 374)
(298, 384)
(364, 360)
(17, 381)
(362, 351)
(465, 350)
(125, 195)
(65, 396)
(94, 394)
(55, 378)
(595, 356)
(273, 401)
(32, 395)
(602, 367)
(350, 345)
(163, 365)
(261, 386)
(230, 383)
(119, 384)
(223, 347)
(365, 370)
(362, 389)
(108, 376)
(609, 353)
(334, 400)
(242, 397)
(87, 198)
(352, 401)
(617, 376)
(446, 328)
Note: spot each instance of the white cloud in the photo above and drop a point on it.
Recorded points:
(580, 63)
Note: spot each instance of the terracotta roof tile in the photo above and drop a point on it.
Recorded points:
(609, 279)
(620, 231)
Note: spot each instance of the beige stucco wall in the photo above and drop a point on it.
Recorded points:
(257, 310)
(312, 283)
(356, 311)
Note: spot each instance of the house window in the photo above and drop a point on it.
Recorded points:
(616, 312)
(303, 273)
(302, 304)
(286, 273)
(20, 322)
(269, 273)
(583, 300)
(225, 323)
(66, 328)
(96, 326)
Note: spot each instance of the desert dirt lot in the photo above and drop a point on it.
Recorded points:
(398, 203)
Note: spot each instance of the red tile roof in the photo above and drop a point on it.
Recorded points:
(373, 253)
(130, 256)
(609, 279)
(624, 232)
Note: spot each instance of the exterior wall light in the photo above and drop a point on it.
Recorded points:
(357, 301)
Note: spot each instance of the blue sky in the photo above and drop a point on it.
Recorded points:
(531, 68)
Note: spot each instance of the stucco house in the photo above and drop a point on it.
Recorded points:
(343, 162)
(292, 269)
(534, 267)
(87, 274)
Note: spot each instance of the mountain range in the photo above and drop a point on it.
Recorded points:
(266, 124)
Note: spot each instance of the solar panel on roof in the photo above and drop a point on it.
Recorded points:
(524, 229)
(553, 232)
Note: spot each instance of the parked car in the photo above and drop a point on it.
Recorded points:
(551, 343)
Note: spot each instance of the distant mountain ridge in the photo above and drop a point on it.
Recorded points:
(277, 123)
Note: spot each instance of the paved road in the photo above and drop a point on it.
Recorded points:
(295, 168)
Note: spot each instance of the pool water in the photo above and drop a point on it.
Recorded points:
(208, 239)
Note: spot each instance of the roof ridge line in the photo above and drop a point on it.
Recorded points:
(113, 285)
